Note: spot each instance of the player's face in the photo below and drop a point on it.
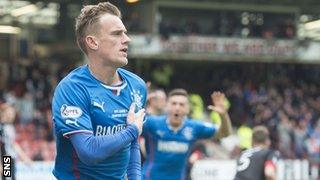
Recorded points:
(177, 108)
(113, 41)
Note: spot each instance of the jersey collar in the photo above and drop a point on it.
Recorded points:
(116, 88)
(173, 129)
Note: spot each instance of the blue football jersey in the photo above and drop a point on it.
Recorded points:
(168, 150)
(82, 104)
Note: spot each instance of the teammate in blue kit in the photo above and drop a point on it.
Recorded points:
(169, 138)
(98, 108)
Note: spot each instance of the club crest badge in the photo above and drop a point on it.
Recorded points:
(187, 132)
(137, 98)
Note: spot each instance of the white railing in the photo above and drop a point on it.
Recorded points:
(226, 170)
(202, 170)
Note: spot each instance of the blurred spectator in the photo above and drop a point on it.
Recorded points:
(30, 94)
(13, 149)
(299, 136)
(196, 107)
(285, 135)
(156, 103)
(245, 137)
(313, 145)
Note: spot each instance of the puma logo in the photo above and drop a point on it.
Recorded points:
(68, 121)
(99, 105)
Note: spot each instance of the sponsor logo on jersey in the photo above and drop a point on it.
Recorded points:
(119, 113)
(173, 146)
(109, 130)
(137, 98)
(99, 105)
(70, 111)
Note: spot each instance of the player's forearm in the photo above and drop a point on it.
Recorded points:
(134, 168)
(93, 149)
(226, 127)
(142, 144)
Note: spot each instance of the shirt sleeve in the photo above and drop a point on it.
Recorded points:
(134, 167)
(205, 130)
(93, 149)
(70, 107)
(147, 125)
(273, 156)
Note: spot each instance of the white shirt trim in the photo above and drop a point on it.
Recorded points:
(179, 128)
(76, 131)
(117, 88)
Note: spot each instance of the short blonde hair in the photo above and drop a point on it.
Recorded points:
(87, 21)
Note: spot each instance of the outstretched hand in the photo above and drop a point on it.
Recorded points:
(218, 101)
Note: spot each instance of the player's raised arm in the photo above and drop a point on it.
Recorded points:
(219, 106)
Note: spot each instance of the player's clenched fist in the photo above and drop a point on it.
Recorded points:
(136, 118)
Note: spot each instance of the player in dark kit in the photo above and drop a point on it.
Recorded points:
(259, 162)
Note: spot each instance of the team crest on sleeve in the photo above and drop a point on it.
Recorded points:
(137, 98)
(70, 111)
(187, 132)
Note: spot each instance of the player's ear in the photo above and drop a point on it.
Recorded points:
(92, 42)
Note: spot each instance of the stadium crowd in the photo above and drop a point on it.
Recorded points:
(285, 99)
(224, 24)
(217, 24)
(30, 93)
